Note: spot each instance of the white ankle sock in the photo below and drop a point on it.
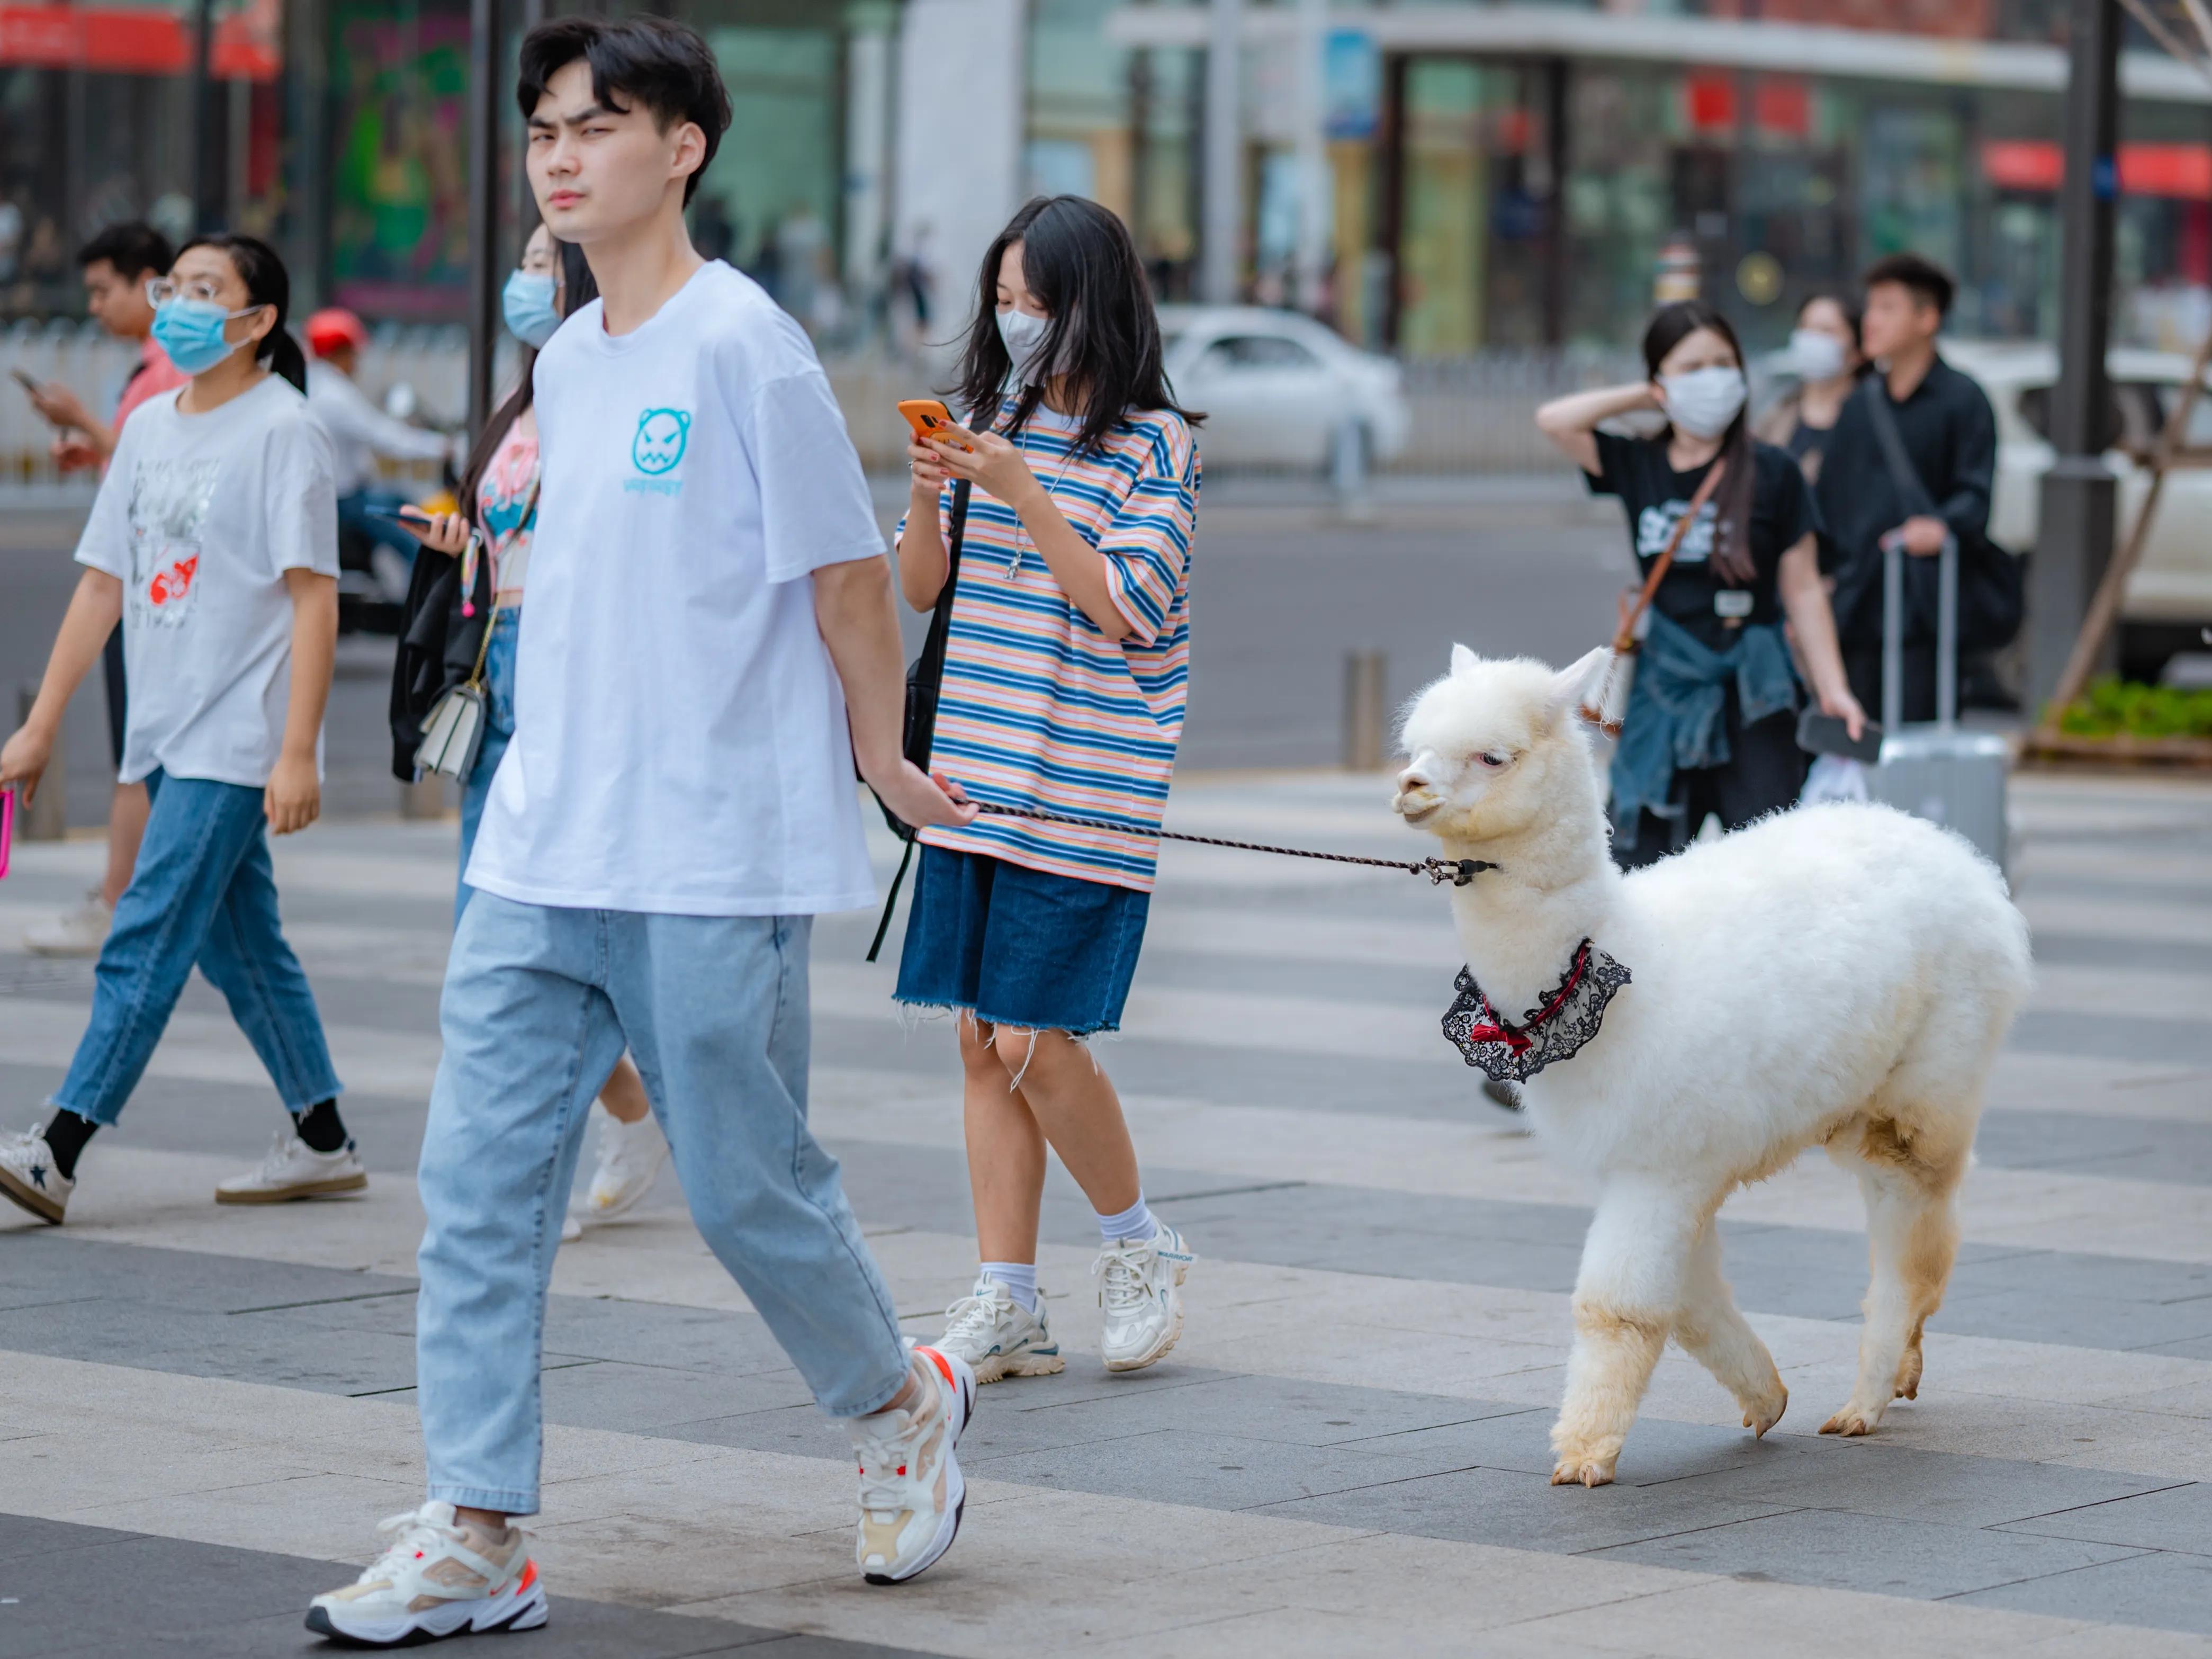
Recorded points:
(1018, 1277)
(1135, 1222)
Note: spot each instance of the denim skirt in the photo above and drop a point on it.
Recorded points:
(1015, 946)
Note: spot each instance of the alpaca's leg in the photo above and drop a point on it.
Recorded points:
(1713, 1333)
(1912, 1237)
(1626, 1299)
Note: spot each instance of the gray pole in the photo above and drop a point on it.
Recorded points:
(1224, 158)
(484, 265)
(2074, 542)
(206, 208)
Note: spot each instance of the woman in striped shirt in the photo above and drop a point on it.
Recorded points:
(1064, 684)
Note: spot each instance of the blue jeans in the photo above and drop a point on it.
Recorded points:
(539, 1003)
(202, 892)
(499, 728)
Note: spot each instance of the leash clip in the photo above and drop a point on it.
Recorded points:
(1461, 872)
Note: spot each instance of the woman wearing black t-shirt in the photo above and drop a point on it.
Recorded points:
(1711, 723)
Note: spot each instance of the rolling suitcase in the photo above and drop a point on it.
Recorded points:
(1937, 771)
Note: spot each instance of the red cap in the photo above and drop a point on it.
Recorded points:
(329, 330)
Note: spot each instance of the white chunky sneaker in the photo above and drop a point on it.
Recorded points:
(571, 1230)
(28, 1175)
(630, 1157)
(294, 1170)
(911, 1492)
(1141, 1289)
(78, 932)
(999, 1337)
(440, 1575)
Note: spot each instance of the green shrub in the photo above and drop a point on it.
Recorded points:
(2113, 707)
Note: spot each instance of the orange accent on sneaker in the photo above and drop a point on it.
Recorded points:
(529, 1578)
(943, 1365)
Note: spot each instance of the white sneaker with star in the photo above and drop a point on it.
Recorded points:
(630, 1157)
(1140, 1290)
(999, 1337)
(78, 932)
(439, 1577)
(294, 1170)
(911, 1493)
(28, 1175)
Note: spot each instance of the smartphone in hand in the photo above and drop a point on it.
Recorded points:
(927, 415)
(1826, 734)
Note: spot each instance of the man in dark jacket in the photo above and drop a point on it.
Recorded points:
(1949, 436)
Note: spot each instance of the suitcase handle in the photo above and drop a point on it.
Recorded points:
(1892, 633)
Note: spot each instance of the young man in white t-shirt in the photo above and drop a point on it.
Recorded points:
(708, 648)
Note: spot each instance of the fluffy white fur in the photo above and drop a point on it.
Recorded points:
(1837, 976)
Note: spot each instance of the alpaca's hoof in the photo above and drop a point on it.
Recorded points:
(1760, 1418)
(1583, 1471)
(1851, 1419)
(1908, 1375)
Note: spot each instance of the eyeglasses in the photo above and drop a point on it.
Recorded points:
(162, 290)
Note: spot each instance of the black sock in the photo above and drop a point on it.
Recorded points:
(66, 1136)
(320, 1127)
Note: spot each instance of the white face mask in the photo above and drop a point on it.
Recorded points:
(1024, 338)
(1704, 401)
(1814, 355)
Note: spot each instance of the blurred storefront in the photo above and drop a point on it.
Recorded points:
(1514, 175)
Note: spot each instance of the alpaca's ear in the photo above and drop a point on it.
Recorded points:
(1462, 659)
(1576, 680)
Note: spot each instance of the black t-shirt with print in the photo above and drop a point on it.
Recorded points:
(1656, 496)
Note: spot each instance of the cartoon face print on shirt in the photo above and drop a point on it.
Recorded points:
(169, 502)
(661, 435)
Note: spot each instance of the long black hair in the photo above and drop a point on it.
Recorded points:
(1669, 326)
(1102, 336)
(577, 289)
(267, 283)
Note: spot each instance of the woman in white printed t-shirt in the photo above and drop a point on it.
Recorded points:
(215, 539)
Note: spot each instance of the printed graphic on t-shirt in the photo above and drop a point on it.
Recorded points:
(657, 449)
(169, 502)
(1656, 524)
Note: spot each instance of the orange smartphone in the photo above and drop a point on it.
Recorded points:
(926, 415)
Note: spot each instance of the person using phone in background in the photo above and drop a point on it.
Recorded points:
(708, 652)
(214, 538)
(1065, 675)
(117, 264)
(498, 514)
(1711, 724)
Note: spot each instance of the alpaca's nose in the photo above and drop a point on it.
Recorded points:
(1414, 777)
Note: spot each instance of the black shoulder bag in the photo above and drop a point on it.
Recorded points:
(924, 677)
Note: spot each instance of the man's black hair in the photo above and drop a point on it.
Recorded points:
(661, 64)
(1930, 282)
(134, 248)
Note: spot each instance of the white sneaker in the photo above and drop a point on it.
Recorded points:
(78, 932)
(1140, 1287)
(999, 1337)
(28, 1175)
(630, 1157)
(911, 1492)
(294, 1170)
(571, 1230)
(439, 1576)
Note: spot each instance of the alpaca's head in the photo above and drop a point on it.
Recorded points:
(1496, 749)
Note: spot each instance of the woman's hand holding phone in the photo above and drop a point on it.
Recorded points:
(441, 532)
(985, 458)
(929, 469)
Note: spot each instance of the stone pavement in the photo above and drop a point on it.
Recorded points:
(201, 1409)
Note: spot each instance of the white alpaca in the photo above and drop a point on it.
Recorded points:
(1837, 976)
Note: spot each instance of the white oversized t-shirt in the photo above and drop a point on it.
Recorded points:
(680, 744)
(200, 516)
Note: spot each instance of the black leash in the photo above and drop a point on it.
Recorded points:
(1461, 872)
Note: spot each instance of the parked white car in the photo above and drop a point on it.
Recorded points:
(2169, 596)
(1278, 389)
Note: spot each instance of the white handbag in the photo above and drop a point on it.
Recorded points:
(453, 730)
(1611, 706)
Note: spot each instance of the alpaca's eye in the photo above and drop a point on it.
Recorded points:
(1493, 760)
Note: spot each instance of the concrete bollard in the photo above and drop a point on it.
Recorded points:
(1366, 736)
(47, 817)
(1347, 471)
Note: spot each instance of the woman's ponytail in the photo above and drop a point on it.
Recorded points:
(288, 359)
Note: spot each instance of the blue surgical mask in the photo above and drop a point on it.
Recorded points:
(191, 331)
(528, 305)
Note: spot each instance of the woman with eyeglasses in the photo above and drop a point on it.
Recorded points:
(214, 538)
(490, 535)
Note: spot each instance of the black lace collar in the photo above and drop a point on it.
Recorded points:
(1554, 1030)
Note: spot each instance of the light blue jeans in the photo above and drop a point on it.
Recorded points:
(499, 728)
(202, 892)
(537, 1003)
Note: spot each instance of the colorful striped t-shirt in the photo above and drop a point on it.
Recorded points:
(1038, 708)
